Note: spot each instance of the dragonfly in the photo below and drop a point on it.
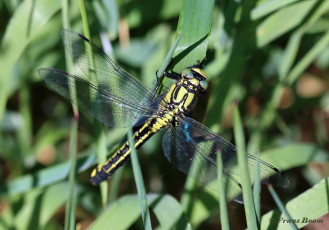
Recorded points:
(117, 98)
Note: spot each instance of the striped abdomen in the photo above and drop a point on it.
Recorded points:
(141, 135)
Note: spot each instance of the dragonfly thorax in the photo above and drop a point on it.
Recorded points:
(181, 96)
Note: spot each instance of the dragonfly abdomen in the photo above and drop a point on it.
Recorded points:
(141, 135)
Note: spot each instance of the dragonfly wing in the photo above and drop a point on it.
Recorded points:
(95, 64)
(105, 106)
(193, 149)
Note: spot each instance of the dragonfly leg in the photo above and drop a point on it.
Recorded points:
(200, 64)
(171, 75)
(159, 80)
(174, 76)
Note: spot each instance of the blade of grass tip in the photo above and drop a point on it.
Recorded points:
(281, 207)
(70, 205)
(195, 25)
(244, 171)
(139, 181)
(166, 62)
(257, 188)
(222, 197)
(98, 127)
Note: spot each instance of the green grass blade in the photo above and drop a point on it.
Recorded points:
(165, 207)
(23, 26)
(38, 208)
(139, 182)
(281, 207)
(113, 215)
(290, 54)
(257, 188)
(115, 184)
(308, 59)
(98, 127)
(46, 176)
(289, 76)
(70, 205)
(244, 170)
(269, 7)
(195, 26)
(25, 132)
(101, 155)
(222, 198)
(287, 157)
(239, 49)
(272, 28)
(295, 40)
(166, 62)
(301, 209)
(294, 155)
(168, 211)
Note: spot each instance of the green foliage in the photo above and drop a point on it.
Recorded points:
(272, 56)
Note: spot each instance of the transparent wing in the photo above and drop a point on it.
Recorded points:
(95, 64)
(96, 101)
(193, 149)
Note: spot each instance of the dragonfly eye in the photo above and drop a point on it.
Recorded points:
(187, 73)
(204, 85)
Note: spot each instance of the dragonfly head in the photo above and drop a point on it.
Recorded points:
(196, 77)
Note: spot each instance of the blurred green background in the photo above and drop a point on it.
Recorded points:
(272, 56)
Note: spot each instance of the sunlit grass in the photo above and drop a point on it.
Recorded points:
(256, 53)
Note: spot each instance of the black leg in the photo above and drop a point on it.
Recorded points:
(200, 64)
(173, 75)
(159, 81)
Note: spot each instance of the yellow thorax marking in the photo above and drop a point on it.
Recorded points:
(199, 71)
(194, 81)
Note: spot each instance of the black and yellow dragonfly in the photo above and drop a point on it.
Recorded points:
(116, 98)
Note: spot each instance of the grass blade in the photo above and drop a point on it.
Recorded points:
(98, 127)
(222, 198)
(23, 26)
(195, 26)
(70, 205)
(244, 171)
(301, 208)
(257, 188)
(166, 62)
(272, 28)
(113, 215)
(308, 58)
(281, 207)
(139, 182)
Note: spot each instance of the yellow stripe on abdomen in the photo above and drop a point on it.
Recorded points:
(152, 126)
